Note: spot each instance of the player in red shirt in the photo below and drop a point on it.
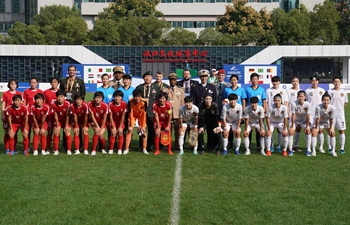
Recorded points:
(50, 97)
(78, 113)
(162, 110)
(17, 118)
(28, 99)
(6, 100)
(60, 110)
(97, 117)
(38, 113)
(116, 109)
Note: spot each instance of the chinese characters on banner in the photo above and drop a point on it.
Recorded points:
(187, 55)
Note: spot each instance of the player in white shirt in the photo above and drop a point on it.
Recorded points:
(254, 118)
(231, 116)
(270, 93)
(339, 100)
(188, 117)
(314, 96)
(324, 119)
(277, 117)
(300, 118)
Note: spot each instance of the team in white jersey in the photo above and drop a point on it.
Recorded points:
(277, 117)
(339, 100)
(188, 116)
(324, 119)
(231, 116)
(300, 119)
(254, 118)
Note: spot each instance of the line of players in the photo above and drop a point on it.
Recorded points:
(300, 114)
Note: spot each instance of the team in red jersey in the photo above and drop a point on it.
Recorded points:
(98, 111)
(6, 100)
(78, 114)
(116, 109)
(38, 113)
(50, 97)
(60, 109)
(162, 110)
(18, 119)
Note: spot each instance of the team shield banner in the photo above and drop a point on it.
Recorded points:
(165, 138)
(193, 138)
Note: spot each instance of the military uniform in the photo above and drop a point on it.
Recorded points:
(199, 91)
(117, 83)
(162, 86)
(72, 88)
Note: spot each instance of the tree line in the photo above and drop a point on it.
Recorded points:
(137, 22)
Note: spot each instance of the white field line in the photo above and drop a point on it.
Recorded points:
(175, 205)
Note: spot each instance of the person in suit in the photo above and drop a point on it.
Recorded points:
(176, 98)
(150, 91)
(199, 91)
(220, 86)
(72, 84)
(186, 83)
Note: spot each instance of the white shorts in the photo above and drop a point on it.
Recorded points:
(279, 126)
(232, 126)
(302, 125)
(190, 124)
(312, 121)
(324, 125)
(340, 123)
(253, 125)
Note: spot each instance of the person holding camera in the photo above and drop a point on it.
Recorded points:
(137, 111)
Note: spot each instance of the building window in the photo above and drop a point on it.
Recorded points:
(16, 6)
(2, 6)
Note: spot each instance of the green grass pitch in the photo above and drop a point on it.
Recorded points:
(137, 188)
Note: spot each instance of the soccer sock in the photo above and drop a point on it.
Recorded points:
(285, 143)
(144, 143)
(127, 140)
(329, 141)
(297, 138)
(238, 143)
(246, 143)
(290, 142)
(321, 137)
(169, 146)
(49, 141)
(86, 142)
(308, 141)
(271, 145)
(181, 142)
(35, 142)
(313, 143)
(156, 143)
(268, 143)
(111, 142)
(6, 141)
(43, 142)
(69, 142)
(333, 143)
(279, 139)
(262, 143)
(76, 142)
(103, 143)
(342, 141)
(11, 142)
(120, 142)
(56, 139)
(224, 143)
(195, 147)
(15, 143)
(25, 143)
(94, 142)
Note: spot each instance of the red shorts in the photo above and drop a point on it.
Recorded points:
(5, 125)
(45, 126)
(116, 124)
(15, 127)
(50, 119)
(62, 124)
(93, 125)
(162, 125)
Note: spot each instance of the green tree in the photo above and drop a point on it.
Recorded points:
(21, 34)
(210, 36)
(343, 8)
(243, 22)
(179, 36)
(324, 24)
(293, 27)
(123, 8)
(58, 23)
(105, 32)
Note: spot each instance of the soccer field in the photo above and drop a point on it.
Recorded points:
(164, 189)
